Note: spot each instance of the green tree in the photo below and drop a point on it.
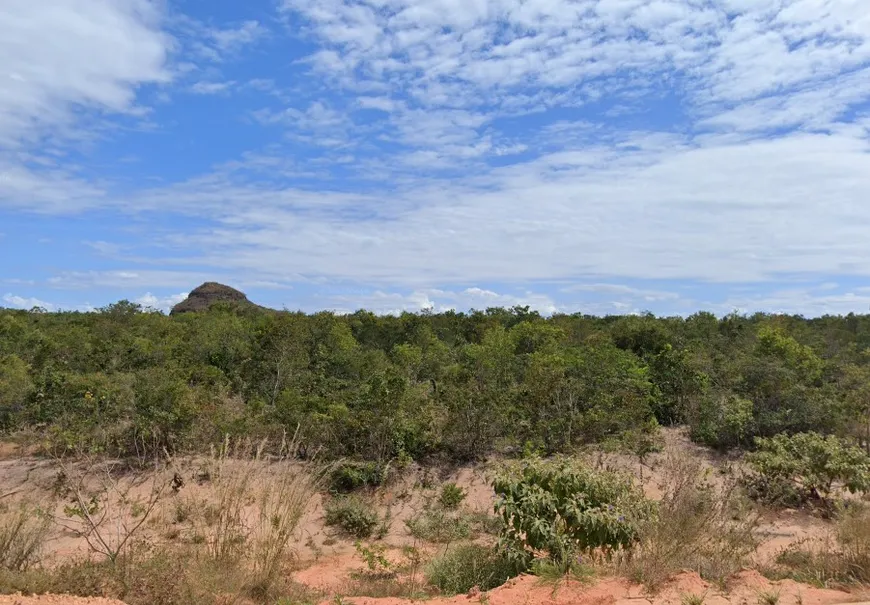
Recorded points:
(16, 387)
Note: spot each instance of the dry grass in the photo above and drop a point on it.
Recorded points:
(145, 576)
(256, 508)
(697, 526)
(841, 558)
(22, 534)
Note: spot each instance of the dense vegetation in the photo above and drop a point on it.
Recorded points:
(457, 385)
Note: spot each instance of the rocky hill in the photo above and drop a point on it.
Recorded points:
(209, 293)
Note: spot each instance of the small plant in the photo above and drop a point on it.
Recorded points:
(692, 599)
(375, 559)
(768, 597)
(182, 510)
(451, 496)
(353, 515)
(550, 572)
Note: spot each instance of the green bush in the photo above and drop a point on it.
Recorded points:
(352, 515)
(806, 466)
(451, 496)
(349, 476)
(562, 508)
(439, 526)
(465, 566)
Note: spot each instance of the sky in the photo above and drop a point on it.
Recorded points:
(596, 156)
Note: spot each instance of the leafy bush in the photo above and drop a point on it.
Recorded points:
(562, 508)
(451, 496)
(22, 535)
(807, 467)
(353, 515)
(465, 566)
(696, 526)
(349, 476)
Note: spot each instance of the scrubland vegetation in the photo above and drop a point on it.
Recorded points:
(285, 406)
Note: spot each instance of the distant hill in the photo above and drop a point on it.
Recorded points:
(209, 293)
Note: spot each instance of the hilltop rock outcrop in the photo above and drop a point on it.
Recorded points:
(206, 295)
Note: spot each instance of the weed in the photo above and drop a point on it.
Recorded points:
(768, 597)
(551, 572)
(693, 599)
(375, 559)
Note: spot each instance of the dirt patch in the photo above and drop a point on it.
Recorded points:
(745, 589)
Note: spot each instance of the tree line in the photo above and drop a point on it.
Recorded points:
(458, 386)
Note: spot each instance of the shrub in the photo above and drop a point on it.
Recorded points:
(439, 526)
(353, 515)
(562, 508)
(465, 566)
(806, 467)
(695, 526)
(22, 535)
(349, 476)
(451, 496)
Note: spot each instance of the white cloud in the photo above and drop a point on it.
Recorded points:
(640, 207)
(20, 302)
(211, 88)
(62, 56)
(149, 301)
(218, 44)
(395, 303)
(129, 279)
(231, 39)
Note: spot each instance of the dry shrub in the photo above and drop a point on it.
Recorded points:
(696, 526)
(841, 558)
(22, 534)
(107, 507)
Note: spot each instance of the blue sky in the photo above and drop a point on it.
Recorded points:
(603, 156)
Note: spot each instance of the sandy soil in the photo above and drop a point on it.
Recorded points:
(745, 589)
(326, 559)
